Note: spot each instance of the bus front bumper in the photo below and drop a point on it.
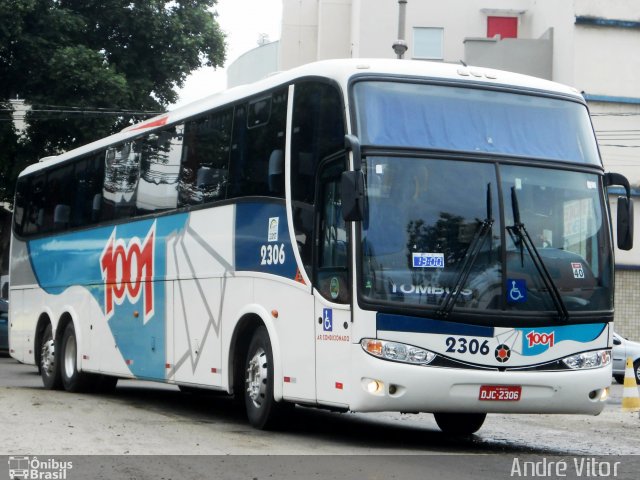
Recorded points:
(381, 385)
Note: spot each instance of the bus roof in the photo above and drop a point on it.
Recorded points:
(338, 70)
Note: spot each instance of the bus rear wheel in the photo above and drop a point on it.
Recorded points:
(262, 410)
(49, 368)
(72, 379)
(459, 423)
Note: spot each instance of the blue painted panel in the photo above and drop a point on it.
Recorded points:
(402, 323)
(262, 234)
(78, 259)
(538, 340)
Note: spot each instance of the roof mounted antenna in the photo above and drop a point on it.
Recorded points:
(463, 64)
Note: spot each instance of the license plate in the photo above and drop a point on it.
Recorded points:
(500, 393)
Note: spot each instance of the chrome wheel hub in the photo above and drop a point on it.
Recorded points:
(47, 356)
(256, 378)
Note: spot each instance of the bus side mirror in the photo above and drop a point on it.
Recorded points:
(624, 227)
(352, 190)
(625, 223)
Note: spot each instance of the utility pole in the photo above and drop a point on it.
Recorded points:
(400, 45)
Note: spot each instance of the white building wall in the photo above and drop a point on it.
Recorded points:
(613, 9)
(299, 34)
(334, 29)
(613, 70)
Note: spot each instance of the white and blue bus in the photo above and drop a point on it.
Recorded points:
(363, 235)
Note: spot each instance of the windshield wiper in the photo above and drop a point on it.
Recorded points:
(469, 259)
(524, 240)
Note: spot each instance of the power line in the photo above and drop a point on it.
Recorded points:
(48, 111)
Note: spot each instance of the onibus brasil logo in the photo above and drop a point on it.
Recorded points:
(127, 272)
(32, 468)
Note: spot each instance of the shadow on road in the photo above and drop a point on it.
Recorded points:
(348, 430)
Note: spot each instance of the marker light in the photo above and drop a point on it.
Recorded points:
(598, 358)
(397, 352)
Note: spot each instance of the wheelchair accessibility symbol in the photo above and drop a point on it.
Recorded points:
(327, 316)
(516, 291)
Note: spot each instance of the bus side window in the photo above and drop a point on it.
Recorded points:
(88, 178)
(21, 203)
(204, 171)
(122, 170)
(317, 132)
(58, 195)
(160, 154)
(258, 138)
(332, 276)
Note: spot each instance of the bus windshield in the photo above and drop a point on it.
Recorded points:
(433, 228)
(474, 120)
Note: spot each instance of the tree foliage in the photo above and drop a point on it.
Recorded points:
(73, 61)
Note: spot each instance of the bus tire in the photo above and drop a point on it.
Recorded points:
(49, 365)
(459, 423)
(262, 410)
(72, 379)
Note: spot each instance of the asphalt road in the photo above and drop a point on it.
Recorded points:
(143, 418)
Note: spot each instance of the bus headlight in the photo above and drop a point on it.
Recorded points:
(598, 358)
(397, 352)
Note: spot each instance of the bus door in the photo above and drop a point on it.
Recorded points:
(331, 288)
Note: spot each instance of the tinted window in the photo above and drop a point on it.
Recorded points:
(160, 154)
(122, 170)
(35, 207)
(59, 197)
(205, 162)
(417, 236)
(21, 201)
(332, 279)
(179, 166)
(257, 147)
(474, 120)
(317, 132)
(87, 192)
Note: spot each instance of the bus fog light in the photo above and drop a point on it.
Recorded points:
(598, 358)
(397, 352)
(375, 386)
(604, 395)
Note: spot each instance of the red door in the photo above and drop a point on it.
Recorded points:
(506, 27)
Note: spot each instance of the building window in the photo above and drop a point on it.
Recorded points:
(506, 27)
(428, 43)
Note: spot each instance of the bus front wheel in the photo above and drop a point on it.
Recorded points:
(459, 423)
(262, 410)
(49, 368)
(72, 379)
